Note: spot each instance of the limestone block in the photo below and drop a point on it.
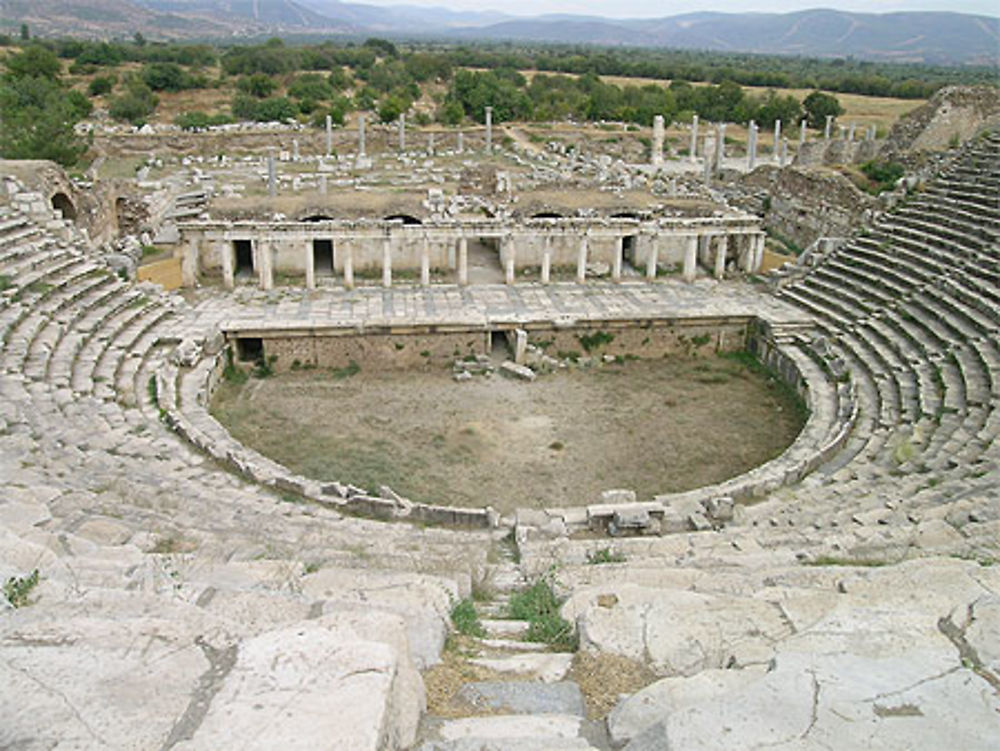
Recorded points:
(110, 670)
(983, 632)
(513, 370)
(839, 700)
(424, 602)
(186, 353)
(645, 708)
(289, 689)
(676, 632)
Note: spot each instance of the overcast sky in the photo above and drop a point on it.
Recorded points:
(660, 8)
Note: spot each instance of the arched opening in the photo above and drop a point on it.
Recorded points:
(317, 218)
(625, 215)
(62, 203)
(404, 218)
(547, 215)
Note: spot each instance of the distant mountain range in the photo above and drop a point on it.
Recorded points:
(939, 37)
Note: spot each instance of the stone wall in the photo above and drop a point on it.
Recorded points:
(427, 346)
(648, 339)
(803, 205)
(378, 351)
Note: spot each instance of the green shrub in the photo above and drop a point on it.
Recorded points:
(466, 620)
(539, 606)
(102, 85)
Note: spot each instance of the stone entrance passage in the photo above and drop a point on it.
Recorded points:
(323, 257)
(243, 256)
(249, 349)
(62, 203)
(484, 261)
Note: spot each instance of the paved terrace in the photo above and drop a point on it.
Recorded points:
(481, 305)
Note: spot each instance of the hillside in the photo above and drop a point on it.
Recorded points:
(900, 37)
(918, 37)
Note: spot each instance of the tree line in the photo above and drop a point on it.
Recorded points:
(273, 80)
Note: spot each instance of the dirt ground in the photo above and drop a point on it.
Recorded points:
(652, 426)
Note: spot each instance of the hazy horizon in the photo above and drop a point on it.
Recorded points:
(658, 9)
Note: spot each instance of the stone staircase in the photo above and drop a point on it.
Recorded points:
(522, 695)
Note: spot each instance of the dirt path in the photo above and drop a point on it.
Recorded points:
(653, 426)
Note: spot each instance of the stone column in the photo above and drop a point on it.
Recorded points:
(826, 128)
(652, 259)
(349, 264)
(616, 261)
(758, 254)
(225, 251)
(746, 251)
(777, 138)
(850, 133)
(295, 150)
(461, 142)
(720, 146)
(425, 262)
(189, 263)
(509, 257)
(489, 130)
(721, 241)
(430, 144)
(307, 246)
(387, 260)
(658, 135)
(547, 260)
(463, 260)
(323, 185)
(691, 258)
(361, 134)
(802, 132)
(402, 131)
(581, 260)
(272, 176)
(329, 135)
(752, 146)
(694, 138)
(265, 271)
(783, 154)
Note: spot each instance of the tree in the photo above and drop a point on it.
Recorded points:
(391, 107)
(136, 104)
(139, 39)
(818, 105)
(25, 34)
(35, 61)
(37, 119)
(259, 85)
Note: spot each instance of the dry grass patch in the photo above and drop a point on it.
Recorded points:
(603, 678)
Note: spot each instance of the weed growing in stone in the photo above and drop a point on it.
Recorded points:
(466, 620)
(17, 588)
(539, 606)
(605, 555)
(352, 368)
(598, 339)
(233, 373)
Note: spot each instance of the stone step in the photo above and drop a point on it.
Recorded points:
(548, 667)
(509, 744)
(509, 645)
(510, 729)
(525, 697)
(505, 628)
